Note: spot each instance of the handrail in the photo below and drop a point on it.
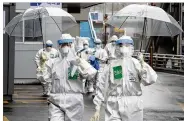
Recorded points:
(168, 62)
(93, 33)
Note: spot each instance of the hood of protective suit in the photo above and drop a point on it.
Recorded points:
(67, 50)
(113, 38)
(124, 51)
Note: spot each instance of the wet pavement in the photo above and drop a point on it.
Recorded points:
(163, 101)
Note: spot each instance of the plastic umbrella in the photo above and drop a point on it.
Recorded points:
(29, 23)
(145, 20)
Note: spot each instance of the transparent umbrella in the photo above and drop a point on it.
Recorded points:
(29, 23)
(145, 20)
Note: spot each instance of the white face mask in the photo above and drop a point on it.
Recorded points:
(64, 50)
(86, 46)
(125, 51)
(48, 49)
(113, 43)
(98, 46)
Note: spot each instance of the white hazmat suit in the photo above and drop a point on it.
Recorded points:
(66, 100)
(102, 57)
(42, 56)
(85, 53)
(119, 85)
(110, 47)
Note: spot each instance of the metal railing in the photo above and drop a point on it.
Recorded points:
(93, 33)
(167, 62)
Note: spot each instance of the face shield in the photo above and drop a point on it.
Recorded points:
(64, 46)
(126, 50)
(124, 47)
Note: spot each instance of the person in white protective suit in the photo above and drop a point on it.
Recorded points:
(119, 86)
(41, 57)
(66, 100)
(101, 55)
(85, 53)
(110, 47)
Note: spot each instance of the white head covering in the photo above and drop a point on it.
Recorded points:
(49, 42)
(85, 41)
(66, 36)
(98, 41)
(113, 38)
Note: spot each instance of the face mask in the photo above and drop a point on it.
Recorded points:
(113, 43)
(64, 50)
(48, 49)
(98, 46)
(125, 51)
(86, 47)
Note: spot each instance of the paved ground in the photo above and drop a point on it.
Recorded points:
(163, 101)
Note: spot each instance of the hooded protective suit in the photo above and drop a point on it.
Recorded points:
(110, 47)
(66, 100)
(42, 56)
(119, 85)
(85, 53)
(101, 55)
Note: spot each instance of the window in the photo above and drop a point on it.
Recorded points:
(27, 28)
(35, 39)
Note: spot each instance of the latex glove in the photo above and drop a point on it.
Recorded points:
(140, 57)
(96, 116)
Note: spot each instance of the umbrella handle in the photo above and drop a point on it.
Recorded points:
(141, 45)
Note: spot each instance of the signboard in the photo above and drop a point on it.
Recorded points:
(45, 4)
(97, 16)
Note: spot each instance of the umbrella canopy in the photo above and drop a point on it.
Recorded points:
(145, 19)
(29, 23)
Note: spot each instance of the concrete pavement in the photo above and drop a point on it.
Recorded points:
(163, 101)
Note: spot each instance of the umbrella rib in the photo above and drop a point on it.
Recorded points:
(56, 23)
(40, 26)
(145, 24)
(34, 24)
(124, 21)
(168, 29)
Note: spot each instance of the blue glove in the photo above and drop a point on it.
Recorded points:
(94, 62)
